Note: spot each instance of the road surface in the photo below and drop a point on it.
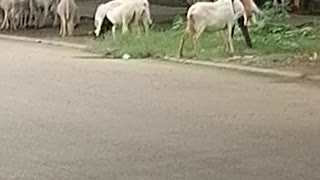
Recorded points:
(64, 115)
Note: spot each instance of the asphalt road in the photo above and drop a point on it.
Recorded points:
(65, 116)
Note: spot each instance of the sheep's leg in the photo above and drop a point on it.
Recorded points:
(3, 23)
(140, 27)
(230, 41)
(21, 20)
(63, 27)
(45, 15)
(245, 19)
(25, 22)
(55, 20)
(60, 30)
(21, 24)
(147, 21)
(31, 12)
(36, 14)
(232, 32)
(125, 28)
(124, 24)
(5, 20)
(13, 22)
(77, 18)
(146, 25)
(36, 19)
(194, 43)
(64, 30)
(225, 40)
(98, 24)
(245, 32)
(30, 19)
(70, 27)
(12, 15)
(195, 38)
(192, 39)
(253, 19)
(130, 27)
(182, 41)
(114, 28)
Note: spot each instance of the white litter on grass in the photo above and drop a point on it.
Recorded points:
(126, 56)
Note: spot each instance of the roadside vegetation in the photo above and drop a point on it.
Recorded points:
(276, 43)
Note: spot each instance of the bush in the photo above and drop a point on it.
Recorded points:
(275, 32)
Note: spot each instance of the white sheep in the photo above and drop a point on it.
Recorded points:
(128, 14)
(40, 11)
(219, 15)
(8, 7)
(21, 12)
(69, 16)
(125, 13)
(143, 14)
(101, 14)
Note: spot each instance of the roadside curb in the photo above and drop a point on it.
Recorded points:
(269, 72)
(43, 41)
(314, 78)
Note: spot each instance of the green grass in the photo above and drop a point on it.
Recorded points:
(275, 42)
(158, 44)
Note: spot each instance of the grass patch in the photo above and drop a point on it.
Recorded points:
(157, 45)
(275, 42)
